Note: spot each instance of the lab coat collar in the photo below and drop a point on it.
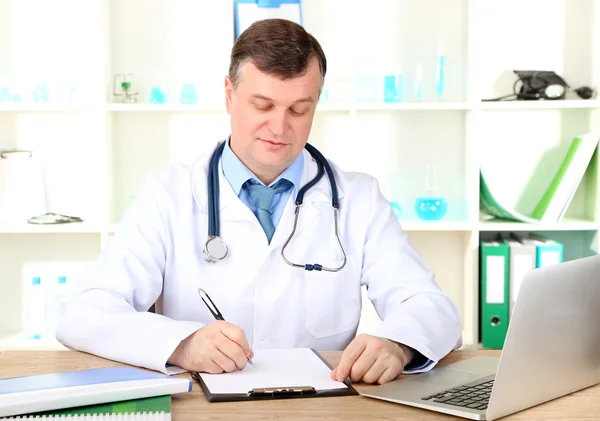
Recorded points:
(233, 209)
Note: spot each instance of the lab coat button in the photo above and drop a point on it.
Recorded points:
(262, 338)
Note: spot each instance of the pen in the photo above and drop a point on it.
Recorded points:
(213, 309)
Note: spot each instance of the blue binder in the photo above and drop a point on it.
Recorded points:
(246, 12)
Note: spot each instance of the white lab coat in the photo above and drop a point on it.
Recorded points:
(157, 251)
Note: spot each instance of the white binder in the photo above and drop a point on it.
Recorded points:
(22, 192)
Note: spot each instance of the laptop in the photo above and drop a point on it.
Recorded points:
(552, 348)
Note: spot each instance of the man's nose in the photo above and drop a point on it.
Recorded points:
(278, 123)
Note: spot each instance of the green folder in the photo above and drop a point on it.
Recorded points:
(494, 297)
(156, 404)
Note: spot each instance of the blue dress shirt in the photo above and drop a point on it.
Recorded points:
(237, 175)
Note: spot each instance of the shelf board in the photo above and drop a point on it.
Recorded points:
(414, 106)
(333, 106)
(415, 226)
(51, 107)
(12, 341)
(321, 107)
(406, 226)
(565, 225)
(540, 104)
(75, 227)
(169, 107)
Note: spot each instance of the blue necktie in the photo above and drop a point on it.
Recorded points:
(262, 196)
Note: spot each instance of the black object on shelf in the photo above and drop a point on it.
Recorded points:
(537, 84)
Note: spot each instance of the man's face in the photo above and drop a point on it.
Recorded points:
(271, 118)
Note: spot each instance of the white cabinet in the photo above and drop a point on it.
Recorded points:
(95, 149)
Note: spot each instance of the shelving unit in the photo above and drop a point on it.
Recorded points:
(96, 150)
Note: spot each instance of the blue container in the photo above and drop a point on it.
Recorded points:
(4, 95)
(188, 94)
(392, 88)
(157, 96)
(40, 94)
(440, 78)
(431, 208)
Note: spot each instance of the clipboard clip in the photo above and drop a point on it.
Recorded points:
(282, 391)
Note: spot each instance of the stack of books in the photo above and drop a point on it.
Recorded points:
(123, 393)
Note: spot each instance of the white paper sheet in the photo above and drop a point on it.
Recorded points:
(174, 369)
(275, 368)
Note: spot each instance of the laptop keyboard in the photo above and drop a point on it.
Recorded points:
(474, 396)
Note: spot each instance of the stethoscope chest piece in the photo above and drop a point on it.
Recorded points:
(214, 249)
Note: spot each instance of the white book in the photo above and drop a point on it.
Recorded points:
(48, 392)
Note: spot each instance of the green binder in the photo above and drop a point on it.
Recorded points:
(494, 297)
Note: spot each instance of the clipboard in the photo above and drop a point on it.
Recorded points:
(267, 393)
(247, 12)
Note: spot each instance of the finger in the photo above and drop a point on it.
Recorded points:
(333, 374)
(223, 361)
(374, 372)
(363, 364)
(349, 356)
(209, 366)
(233, 351)
(237, 335)
(390, 374)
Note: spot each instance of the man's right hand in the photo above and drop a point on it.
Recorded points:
(216, 348)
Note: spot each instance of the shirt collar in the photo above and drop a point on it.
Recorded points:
(237, 173)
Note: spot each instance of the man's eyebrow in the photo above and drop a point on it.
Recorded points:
(266, 98)
(307, 99)
(259, 96)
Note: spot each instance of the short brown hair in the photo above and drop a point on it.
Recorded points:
(277, 47)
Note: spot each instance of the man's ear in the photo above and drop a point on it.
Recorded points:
(229, 92)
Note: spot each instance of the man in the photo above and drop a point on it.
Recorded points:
(276, 74)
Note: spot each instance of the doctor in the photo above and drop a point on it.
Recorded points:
(275, 78)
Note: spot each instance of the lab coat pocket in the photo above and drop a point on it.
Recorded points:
(332, 300)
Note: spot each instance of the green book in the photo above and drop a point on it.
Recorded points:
(560, 192)
(489, 205)
(151, 409)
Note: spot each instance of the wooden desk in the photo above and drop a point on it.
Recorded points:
(581, 405)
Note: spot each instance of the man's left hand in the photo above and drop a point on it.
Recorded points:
(372, 359)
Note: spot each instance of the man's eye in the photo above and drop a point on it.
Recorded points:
(262, 107)
(298, 113)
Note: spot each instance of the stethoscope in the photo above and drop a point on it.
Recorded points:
(216, 250)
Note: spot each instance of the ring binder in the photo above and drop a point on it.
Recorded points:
(280, 391)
